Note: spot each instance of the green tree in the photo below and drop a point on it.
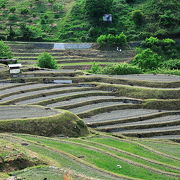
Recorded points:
(5, 51)
(45, 60)
(138, 17)
(147, 59)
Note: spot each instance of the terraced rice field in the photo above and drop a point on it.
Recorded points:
(130, 119)
(103, 109)
(116, 104)
(99, 157)
(27, 54)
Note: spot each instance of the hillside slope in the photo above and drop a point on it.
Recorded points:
(68, 20)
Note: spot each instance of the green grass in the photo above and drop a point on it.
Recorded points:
(38, 173)
(101, 160)
(172, 149)
(108, 148)
(134, 149)
(64, 161)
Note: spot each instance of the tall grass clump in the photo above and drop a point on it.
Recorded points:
(45, 60)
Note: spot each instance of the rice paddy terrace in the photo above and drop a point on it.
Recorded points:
(131, 118)
(68, 58)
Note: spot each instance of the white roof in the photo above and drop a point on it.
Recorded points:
(14, 65)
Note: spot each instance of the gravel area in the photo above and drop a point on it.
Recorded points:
(166, 137)
(79, 100)
(24, 87)
(3, 85)
(36, 93)
(36, 100)
(94, 106)
(21, 112)
(150, 129)
(150, 121)
(120, 114)
(145, 77)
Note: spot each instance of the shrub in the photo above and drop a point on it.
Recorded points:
(56, 16)
(43, 21)
(147, 59)
(12, 17)
(24, 11)
(12, 9)
(58, 7)
(5, 51)
(120, 69)
(46, 16)
(112, 40)
(34, 15)
(171, 64)
(45, 60)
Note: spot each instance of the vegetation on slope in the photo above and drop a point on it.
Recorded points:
(153, 55)
(137, 19)
(81, 20)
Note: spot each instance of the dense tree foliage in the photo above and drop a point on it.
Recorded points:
(82, 21)
(95, 9)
